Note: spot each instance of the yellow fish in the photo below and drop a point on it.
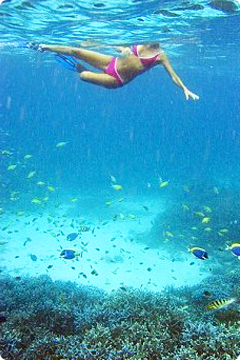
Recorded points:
(218, 304)
(28, 156)
(51, 188)
(108, 203)
(169, 234)
(113, 179)
(205, 220)
(20, 213)
(11, 167)
(215, 189)
(208, 229)
(199, 213)
(185, 207)
(6, 153)
(186, 188)
(44, 199)
(122, 216)
(207, 209)
(41, 183)
(14, 196)
(223, 231)
(31, 174)
(120, 200)
(132, 216)
(61, 144)
(36, 201)
(163, 183)
(117, 187)
(74, 200)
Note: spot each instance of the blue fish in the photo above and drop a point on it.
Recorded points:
(33, 257)
(69, 254)
(235, 248)
(72, 236)
(199, 253)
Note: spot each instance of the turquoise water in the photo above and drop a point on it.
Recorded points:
(133, 290)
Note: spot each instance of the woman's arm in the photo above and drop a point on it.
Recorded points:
(175, 78)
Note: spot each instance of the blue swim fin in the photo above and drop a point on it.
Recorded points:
(67, 61)
(30, 45)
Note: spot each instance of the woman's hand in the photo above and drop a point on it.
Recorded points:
(189, 94)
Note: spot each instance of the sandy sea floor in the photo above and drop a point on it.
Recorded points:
(110, 254)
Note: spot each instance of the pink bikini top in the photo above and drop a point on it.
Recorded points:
(146, 61)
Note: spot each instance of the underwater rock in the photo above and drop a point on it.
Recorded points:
(166, 13)
(190, 7)
(99, 5)
(227, 7)
(2, 319)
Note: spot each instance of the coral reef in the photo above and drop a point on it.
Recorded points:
(61, 320)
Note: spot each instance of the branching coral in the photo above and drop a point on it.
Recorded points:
(49, 320)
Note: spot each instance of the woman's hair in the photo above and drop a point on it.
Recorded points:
(153, 45)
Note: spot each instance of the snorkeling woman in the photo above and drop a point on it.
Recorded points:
(117, 71)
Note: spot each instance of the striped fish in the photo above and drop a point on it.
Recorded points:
(220, 303)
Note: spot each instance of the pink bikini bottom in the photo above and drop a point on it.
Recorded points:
(111, 70)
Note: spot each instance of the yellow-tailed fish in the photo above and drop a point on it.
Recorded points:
(117, 187)
(219, 303)
(120, 200)
(132, 216)
(28, 156)
(216, 191)
(61, 144)
(11, 167)
(45, 198)
(185, 207)
(205, 220)
(122, 216)
(41, 183)
(194, 228)
(74, 200)
(31, 174)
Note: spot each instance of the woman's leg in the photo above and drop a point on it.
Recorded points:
(96, 59)
(99, 79)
